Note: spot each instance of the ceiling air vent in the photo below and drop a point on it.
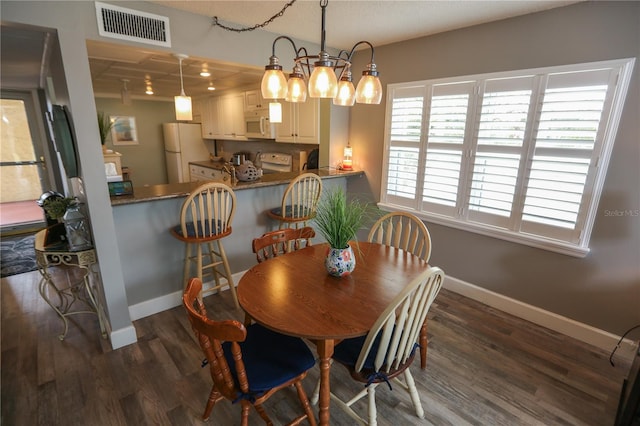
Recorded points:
(133, 25)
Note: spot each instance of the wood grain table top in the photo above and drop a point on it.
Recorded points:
(293, 294)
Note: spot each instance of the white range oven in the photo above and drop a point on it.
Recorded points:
(275, 162)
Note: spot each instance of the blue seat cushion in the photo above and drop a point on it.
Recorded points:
(202, 230)
(348, 351)
(288, 212)
(270, 358)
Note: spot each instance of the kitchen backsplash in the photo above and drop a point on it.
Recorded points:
(227, 148)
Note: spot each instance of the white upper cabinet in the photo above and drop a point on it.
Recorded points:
(223, 117)
(300, 122)
(232, 117)
(253, 101)
(210, 118)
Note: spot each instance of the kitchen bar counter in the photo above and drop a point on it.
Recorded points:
(176, 190)
(152, 259)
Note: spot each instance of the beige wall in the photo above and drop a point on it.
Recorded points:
(146, 160)
(602, 289)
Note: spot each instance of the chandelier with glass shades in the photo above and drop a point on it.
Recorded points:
(328, 76)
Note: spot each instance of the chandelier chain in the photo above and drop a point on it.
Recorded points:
(256, 26)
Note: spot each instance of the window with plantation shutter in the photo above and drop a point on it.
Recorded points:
(505, 106)
(405, 134)
(449, 108)
(518, 155)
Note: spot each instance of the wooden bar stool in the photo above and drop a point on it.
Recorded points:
(299, 201)
(205, 219)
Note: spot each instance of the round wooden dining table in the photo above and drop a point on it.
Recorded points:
(293, 294)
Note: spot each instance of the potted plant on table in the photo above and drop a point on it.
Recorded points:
(56, 207)
(338, 220)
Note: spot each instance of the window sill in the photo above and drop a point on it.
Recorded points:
(528, 240)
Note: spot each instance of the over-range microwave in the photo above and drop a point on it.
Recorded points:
(258, 126)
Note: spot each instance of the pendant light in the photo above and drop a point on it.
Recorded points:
(369, 89)
(296, 87)
(346, 92)
(274, 83)
(275, 112)
(182, 102)
(328, 76)
(125, 97)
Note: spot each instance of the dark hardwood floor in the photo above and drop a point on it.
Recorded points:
(485, 368)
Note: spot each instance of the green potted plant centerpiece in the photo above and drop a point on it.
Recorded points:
(338, 220)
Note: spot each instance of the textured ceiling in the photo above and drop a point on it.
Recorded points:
(380, 22)
(347, 22)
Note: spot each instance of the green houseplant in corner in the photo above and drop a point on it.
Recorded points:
(338, 220)
(104, 125)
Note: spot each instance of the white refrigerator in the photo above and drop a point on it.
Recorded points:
(183, 143)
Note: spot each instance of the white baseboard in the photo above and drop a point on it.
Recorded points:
(123, 337)
(168, 301)
(583, 332)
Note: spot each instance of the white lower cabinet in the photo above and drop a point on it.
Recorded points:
(204, 174)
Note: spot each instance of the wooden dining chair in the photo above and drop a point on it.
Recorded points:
(388, 350)
(282, 241)
(277, 243)
(299, 201)
(248, 364)
(407, 232)
(205, 219)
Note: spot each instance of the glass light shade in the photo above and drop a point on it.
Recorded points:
(126, 98)
(183, 108)
(347, 162)
(274, 84)
(275, 112)
(323, 83)
(346, 94)
(297, 91)
(369, 90)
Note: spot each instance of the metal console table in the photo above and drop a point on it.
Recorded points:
(82, 293)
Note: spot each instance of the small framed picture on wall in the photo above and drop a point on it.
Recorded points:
(123, 131)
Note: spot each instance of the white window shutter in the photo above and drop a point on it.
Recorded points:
(448, 117)
(502, 127)
(519, 155)
(403, 140)
(565, 141)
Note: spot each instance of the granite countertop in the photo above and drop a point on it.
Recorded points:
(143, 194)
